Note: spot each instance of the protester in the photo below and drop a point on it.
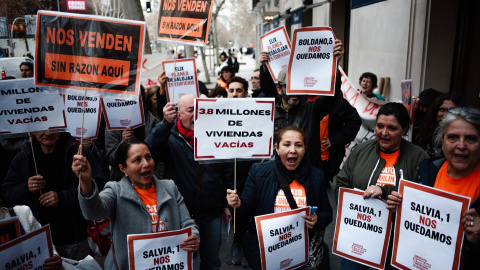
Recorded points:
(218, 92)
(151, 101)
(225, 74)
(434, 115)
(368, 82)
(458, 172)
(202, 185)
(294, 110)
(26, 69)
(337, 129)
(256, 87)
(262, 188)
(139, 203)
(233, 63)
(377, 165)
(113, 138)
(28, 224)
(422, 105)
(43, 180)
(237, 88)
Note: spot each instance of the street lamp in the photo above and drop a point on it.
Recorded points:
(12, 46)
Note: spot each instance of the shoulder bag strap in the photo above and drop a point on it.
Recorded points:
(286, 188)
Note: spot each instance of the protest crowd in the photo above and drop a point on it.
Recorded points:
(100, 195)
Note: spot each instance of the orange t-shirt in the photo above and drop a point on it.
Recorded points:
(324, 133)
(467, 186)
(387, 176)
(149, 198)
(299, 194)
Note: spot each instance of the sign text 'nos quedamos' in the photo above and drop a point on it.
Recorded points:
(432, 217)
(74, 111)
(312, 62)
(159, 251)
(28, 251)
(185, 21)
(283, 239)
(88, 52)
(362, 229)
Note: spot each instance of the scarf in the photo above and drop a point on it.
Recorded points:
(187, 134)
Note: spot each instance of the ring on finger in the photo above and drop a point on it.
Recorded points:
(471, 223)
(471, 218)
(33, 185)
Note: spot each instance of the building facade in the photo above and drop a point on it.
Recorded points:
(429, 41)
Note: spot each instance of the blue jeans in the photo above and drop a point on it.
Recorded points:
(210, 240)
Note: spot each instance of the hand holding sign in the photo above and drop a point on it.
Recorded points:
(471, 225)
(191, 243)
(81, 168)
(35, 183)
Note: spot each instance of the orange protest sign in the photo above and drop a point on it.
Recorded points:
(184, 21)
(88, 52)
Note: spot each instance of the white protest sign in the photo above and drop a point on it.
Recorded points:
(28, 251)
(73, 111)
(277, 45)
(182, 78)
(362, 229)
(283, 239)
(25, 107)
(228, 128)
(159, 250)
(123, 113)
(428, 231)
(312, 67)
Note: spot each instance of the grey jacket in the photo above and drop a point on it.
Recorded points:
(364, 165)
(128, 215)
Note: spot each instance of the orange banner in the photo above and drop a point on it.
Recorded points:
(82, 68)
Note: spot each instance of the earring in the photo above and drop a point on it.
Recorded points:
(126, 175)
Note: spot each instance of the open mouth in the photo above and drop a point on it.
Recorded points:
(145, 174)
(292, 161)
(460, 157)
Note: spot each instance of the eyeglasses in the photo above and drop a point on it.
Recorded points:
(474, 111)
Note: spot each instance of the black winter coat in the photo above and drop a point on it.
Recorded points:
(167, 144)
(258, 198)
(66, 220)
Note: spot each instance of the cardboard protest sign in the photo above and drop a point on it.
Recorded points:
(362, 229)
(182, 78)
(159, 250)
(28, 251)
(184, 21)
(123, 113)
(277, 45)
(228, 128)
(312, 67)
(428, 231)
(9, 230)
(73, 111)
(88, 52)
(25, 107)
(283, 239)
